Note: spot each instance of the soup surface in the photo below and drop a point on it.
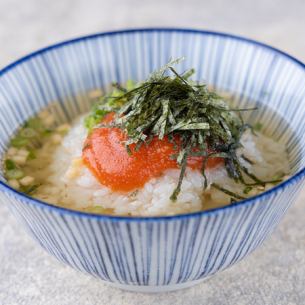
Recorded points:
(101, 163)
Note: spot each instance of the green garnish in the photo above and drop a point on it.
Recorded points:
(46, 132)
(14, 173)
(170, 105)
(30, 135)
(28, 139)
(228, 192)
(9, 164)
(258, 126)
(34, 123)
(27, 133)
(31, 155)
(106, 104)
(19, 142)
(247, 189)
(30, 189)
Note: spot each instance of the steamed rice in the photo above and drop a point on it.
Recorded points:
(70, 184)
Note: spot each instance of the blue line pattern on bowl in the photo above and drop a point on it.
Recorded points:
(162, 251)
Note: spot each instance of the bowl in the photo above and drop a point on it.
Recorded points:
(155, 254)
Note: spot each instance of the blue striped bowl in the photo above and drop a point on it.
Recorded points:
(161, 253)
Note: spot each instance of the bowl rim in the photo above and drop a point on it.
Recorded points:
(249, 201)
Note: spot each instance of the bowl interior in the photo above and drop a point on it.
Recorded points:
(250, 72)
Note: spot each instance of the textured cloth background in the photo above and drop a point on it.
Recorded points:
(273, 275)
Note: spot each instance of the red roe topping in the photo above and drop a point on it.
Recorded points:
(105, 155)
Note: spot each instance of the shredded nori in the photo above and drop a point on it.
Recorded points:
(228, 192)
(169, 104)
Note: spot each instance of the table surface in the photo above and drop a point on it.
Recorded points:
(274, 274)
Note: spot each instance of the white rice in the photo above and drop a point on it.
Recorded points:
(72, 185)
